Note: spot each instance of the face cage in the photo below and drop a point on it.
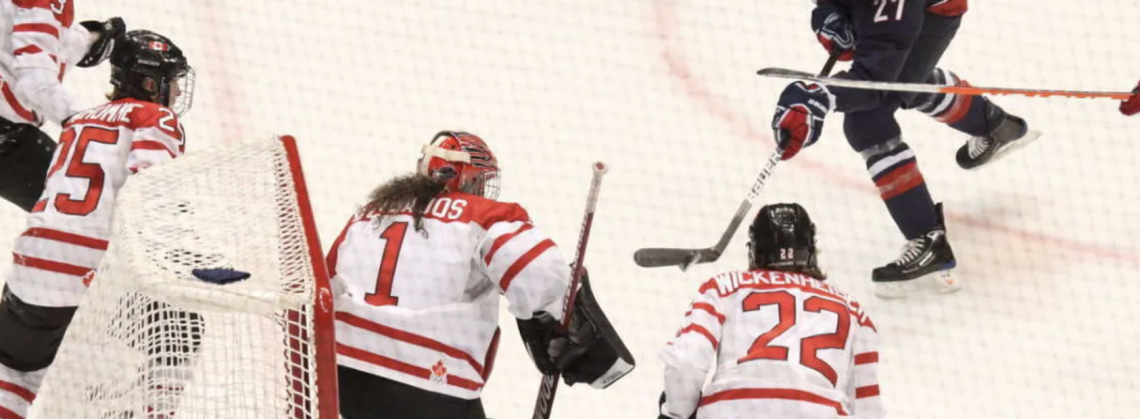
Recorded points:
(485, 184)
(186, 88)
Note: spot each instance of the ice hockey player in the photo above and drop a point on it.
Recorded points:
(780, 341)
(896, 40)
(68, 228)
(41, 43)
(417, 274)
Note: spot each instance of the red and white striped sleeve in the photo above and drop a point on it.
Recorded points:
(864, 388)
(691, 354)
(41, 42)
(524, 262)
(158, 137)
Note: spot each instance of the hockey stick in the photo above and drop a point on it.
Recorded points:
(935, 88)
(549, 385)
(655, 257)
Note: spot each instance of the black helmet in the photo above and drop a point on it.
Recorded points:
(148, 66)
(782, 237)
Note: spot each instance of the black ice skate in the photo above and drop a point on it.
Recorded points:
(1011, 134)
(925, 265)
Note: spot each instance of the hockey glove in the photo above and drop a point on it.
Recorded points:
(834, 30)
(110, 32)
(799, 116)
(1132, 105)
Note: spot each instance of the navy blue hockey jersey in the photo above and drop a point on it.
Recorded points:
(886, 31)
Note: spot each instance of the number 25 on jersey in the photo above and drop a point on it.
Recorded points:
(72, 149)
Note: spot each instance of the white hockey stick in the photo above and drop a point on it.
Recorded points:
(684, 258)
(936, 88)
(549, 385)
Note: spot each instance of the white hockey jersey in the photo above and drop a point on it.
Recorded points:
(68, 228)
(782, 345)
(39, 42)
(422, 307)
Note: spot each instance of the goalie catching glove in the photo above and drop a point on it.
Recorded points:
(589, 351)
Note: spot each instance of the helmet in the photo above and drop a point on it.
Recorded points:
(148, 66)
(782, 237)
(463, 161)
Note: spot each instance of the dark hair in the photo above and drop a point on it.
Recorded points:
(412, 190)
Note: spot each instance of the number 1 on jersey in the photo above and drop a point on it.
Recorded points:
(393, 240)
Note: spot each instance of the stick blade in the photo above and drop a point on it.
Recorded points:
(785, 73)
(683, 258)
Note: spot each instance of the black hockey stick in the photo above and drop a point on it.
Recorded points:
(549, 386)
(655, 257)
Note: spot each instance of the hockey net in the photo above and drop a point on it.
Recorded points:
(153, 341)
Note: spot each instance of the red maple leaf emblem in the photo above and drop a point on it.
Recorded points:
(438, 369)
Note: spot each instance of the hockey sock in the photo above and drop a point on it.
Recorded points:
(973, 115)
(894, 169)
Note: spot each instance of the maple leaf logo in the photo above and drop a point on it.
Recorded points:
(438, 372)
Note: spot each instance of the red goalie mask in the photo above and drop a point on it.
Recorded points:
(462, 160)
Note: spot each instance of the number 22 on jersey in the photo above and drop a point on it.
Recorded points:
(785, 303)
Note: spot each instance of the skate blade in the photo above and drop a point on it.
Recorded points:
(938, 282)
(1030, 136)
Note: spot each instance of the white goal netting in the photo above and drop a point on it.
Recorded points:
(152, 340)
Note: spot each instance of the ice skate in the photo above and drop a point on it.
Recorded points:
(926, 265)
(1012, 133)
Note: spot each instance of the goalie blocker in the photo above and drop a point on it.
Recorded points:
(590, 351)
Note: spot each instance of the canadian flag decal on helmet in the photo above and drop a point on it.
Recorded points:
(158, 46)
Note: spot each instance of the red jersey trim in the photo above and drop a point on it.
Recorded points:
(30, 49)
(772, 393)
(702, 331)
(37, 27)
(408, 337)
(15, 104)
(8, 414)
(50, 265)
(866, 391)
(151, 145)
(867, 358)
(708, 308)
(522, 263)
(21, 392)
(499, 242)
(492, 350)
(65, 237)
(334, 251)
(406, 368)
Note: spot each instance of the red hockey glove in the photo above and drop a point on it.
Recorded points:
(799, 116)
(1132, 105)
(834, 31)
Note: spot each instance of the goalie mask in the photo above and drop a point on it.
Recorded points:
(463, 161)
(782, 238)
(148, 66)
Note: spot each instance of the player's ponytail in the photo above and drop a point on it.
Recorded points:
(409, 192)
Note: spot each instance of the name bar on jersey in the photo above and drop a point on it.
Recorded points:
(729, 282)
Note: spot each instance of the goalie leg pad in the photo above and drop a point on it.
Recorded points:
(25, 154)
(29, 334)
